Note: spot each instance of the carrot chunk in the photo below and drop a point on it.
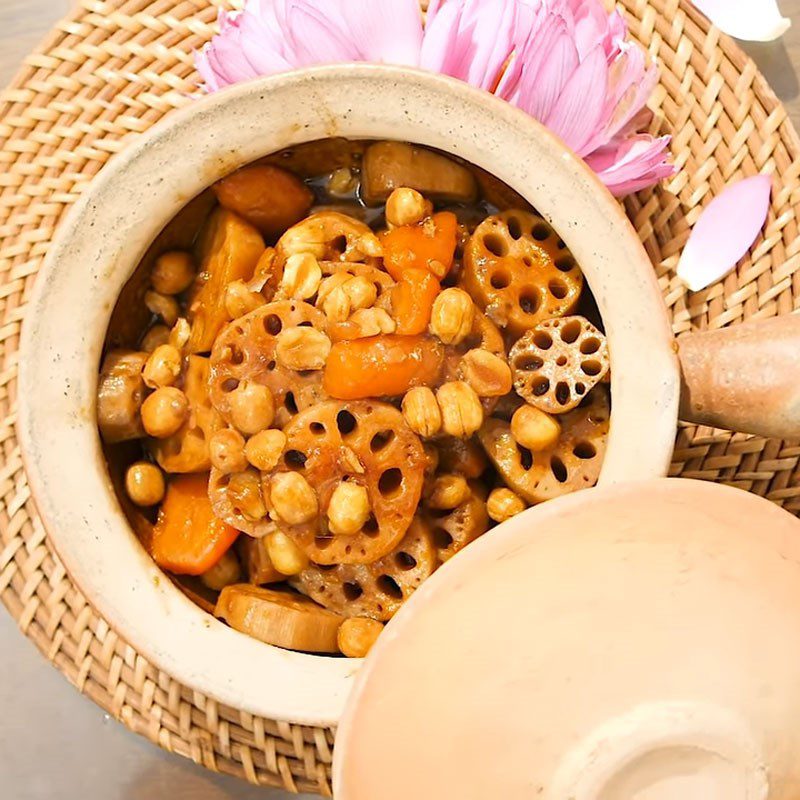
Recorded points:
(188, 539)
(381, 366)
(412, 301)
(430, 245)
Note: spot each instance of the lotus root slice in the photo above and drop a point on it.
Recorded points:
(557, 363)
(453, 530)
(245, 351)
(519, 272)
(368, 443)
(374, 590)
(572, 463)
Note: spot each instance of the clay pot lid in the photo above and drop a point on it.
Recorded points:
(637, 642)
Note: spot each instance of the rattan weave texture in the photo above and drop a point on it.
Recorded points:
(112, 69)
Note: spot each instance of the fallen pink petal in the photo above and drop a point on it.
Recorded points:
(750, 20)
(568, 63)
(724, 232)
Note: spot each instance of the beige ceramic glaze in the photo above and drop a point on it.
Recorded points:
(635, 642)
(132, 199)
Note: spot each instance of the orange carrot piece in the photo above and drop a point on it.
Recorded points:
(419, 246)
(381, 366)
(412, 301)
(188, 539)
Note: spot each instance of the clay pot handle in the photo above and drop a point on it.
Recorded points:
(744, 378)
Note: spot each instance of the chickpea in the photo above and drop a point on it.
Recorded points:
(341, 182)
(239, 300)
(372, 321)
(157, 335)
(448, 492)
(349, 509)
(452, 316)
(226, 451)
(406, 206)
(225, 572)
(421, 411)
(162, 367)
(301, 277)
(462, 413)
(504, 504)
(534, 429)
(164, 412)
(361, 291)
(293, 498)
(487, 373)
(173, 272)
(252, 407)
(357, 635)
(163, 306)
(264, 449)
(144, 483)
(180, 333)
(336, 305)
(244, 492)
(302, 348)
(284, 554)
(329, 284)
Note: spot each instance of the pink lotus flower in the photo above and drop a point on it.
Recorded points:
(565, 62)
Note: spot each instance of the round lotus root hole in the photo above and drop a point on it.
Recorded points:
(245, 351)
(557, 363)
(572, 463)
(375, 590)
(518, 273)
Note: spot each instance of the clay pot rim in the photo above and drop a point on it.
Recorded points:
(121, 212)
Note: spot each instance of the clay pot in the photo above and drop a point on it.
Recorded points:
(637, 642)
(131, 200)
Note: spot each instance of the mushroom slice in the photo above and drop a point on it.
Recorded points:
(375, 590)
(390, 165)
(245, 351)
(279, 618)
(572, 463)
(557, 363)
(120, 393)
(518, 272)
(454, 529)
(368, 443)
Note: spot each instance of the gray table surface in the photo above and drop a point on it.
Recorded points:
(54, 743)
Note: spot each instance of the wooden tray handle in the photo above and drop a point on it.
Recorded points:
(744, 378)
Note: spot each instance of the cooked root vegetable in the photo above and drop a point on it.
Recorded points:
(270, 198)
(412, 301)
(390, 165)
(464, 456)
(120, 393)
(228, 251)
(572, 462)
(465, 523)
(279, 618)
(430, 245)
(364, 443)
(381, 366)
(378, 589)
(329, 236)
(188, 539)
(517, 270)
(187, 450)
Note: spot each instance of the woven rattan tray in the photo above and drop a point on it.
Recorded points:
(111, 70)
